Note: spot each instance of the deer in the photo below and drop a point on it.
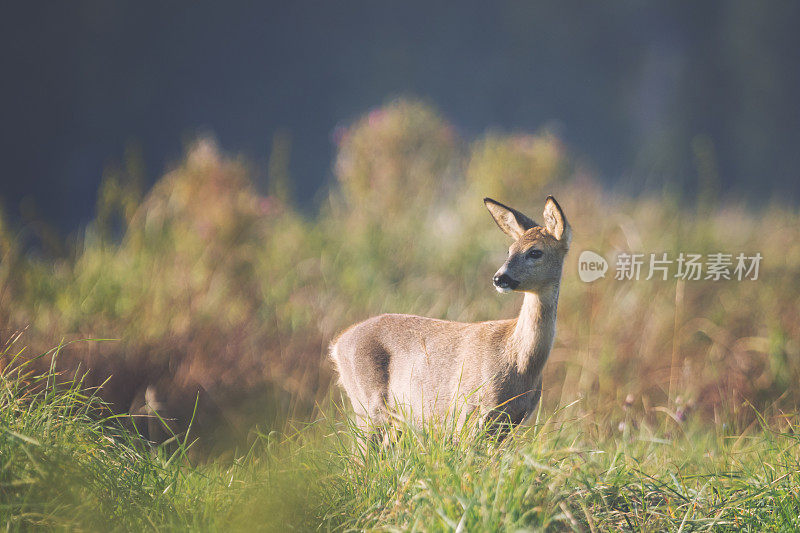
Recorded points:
(431, 369)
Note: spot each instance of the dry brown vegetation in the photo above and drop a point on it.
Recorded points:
(210, 287)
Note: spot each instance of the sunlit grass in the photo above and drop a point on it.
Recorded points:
(66, 465)
(566, 473)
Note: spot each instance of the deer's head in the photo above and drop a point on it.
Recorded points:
(537, 255)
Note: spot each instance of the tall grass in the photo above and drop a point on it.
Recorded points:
(67, 464)
(573, 474)
(66, 460)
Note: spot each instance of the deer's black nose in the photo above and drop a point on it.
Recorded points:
(503, 281)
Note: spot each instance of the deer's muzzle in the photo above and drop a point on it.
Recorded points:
(504, 283)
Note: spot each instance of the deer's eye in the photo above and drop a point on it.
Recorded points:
(535, 254)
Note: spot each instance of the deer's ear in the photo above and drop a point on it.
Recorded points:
(555, 222)
(511, 221)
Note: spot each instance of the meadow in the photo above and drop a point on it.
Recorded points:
(189, 386)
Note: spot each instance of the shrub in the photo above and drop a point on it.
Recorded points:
(516, 166)
(393, 156)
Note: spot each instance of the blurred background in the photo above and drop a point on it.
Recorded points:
(635, 89)
(221, 187)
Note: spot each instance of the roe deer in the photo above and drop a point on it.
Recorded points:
(394, 363)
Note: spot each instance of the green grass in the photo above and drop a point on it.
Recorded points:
(577, 474)
(66, 464)
(66, 461)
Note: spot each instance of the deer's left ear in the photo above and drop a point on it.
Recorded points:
(555, 222)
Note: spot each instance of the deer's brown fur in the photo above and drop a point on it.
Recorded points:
(434, 368)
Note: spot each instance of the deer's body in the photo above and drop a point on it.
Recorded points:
(397, 364)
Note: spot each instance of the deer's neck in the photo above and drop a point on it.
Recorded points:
(532, 338)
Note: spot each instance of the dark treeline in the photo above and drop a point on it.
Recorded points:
(675, 93)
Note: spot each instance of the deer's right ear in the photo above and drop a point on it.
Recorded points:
(511, 221)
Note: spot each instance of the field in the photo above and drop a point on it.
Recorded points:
(65, 465)
(204, 398)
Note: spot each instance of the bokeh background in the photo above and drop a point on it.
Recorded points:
(222, 187)
(635, 89)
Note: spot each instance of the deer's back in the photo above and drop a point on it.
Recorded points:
(420, 362)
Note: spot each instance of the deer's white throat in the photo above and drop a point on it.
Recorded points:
(533, 334)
